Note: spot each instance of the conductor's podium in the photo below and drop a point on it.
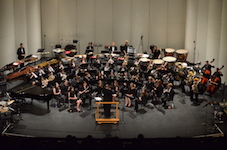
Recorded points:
(100, 120)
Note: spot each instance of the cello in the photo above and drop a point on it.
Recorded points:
(214, 83)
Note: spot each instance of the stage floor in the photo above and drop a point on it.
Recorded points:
(185, 120)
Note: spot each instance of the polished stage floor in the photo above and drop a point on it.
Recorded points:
(185, 120)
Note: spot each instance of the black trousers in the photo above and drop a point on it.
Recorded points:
(107, 108)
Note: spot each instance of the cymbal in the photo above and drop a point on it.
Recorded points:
(58, 50)
(73, 50)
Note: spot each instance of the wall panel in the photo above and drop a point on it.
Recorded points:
(85, 25)
(214, 30)
(176, 23)
(140, 24)
(7, 34)
(158, 23)
(223, 43)
(33, 26)
(121, 21)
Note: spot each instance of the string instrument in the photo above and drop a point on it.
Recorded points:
(19, 73)
(207, 72)
(213, 84)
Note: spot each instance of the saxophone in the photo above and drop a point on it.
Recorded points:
(195, 87)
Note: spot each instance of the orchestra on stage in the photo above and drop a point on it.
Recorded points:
(116, 73)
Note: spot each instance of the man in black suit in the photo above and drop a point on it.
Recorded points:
(89, 51)
(21, 53)
(107, 97)
(124, 48)
(112, 48)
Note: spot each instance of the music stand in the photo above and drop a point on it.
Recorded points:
(41, 51)
(84, 66)
(104, 51)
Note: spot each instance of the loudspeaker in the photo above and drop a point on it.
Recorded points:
(2, 88)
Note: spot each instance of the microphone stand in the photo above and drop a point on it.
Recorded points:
(140, 44)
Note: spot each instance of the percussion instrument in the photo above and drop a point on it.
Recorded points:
(98, 99)
(158, 61)
(145, 56)
(170, 60)
(181, 54)
(140, 54)
(144, 60)
(169, 52)
(58, 50)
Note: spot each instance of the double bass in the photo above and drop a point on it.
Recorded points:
(206, 75)
(214, 83)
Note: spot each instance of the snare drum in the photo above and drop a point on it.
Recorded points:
(169, 52)
(181, 54)
(171, 60)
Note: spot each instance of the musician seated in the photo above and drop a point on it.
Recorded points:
(115, 90)
(49, 68)
(99, 90)
(76, 82)
(218, 74)
(168, 94)
(60, 66)
(111, 61)
(40, 72)
(206, 69)
(61, 76)
(130, 94)
(158, 91)
(112, 48)
(57, 95)
(156, 54)
(97, 62)
(64, 85)
(84, 92)
(167, 78)
(142, 99)
(32, 77)
(72, 65)
(72, 97)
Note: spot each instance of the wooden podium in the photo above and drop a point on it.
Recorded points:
(106, 120)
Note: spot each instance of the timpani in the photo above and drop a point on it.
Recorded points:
(169, 52)
(158, 62)
(170, 60)
(181, 55)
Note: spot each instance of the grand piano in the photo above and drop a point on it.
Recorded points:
(25, 90)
